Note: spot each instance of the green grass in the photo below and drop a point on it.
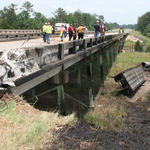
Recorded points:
(145, 39)
(128, 42)
(110, 107)
(129, 59)
(10, 113)
(107, 117)
(24, 127)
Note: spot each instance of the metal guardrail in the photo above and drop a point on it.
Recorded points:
(10, 35)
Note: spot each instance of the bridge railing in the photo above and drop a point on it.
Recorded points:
(7, 35)
(17, 34)
(46, 61)
(53, 53)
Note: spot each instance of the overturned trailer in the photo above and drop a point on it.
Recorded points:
(131, 79)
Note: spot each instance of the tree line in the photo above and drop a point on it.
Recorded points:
(143, 24)
(24, 17)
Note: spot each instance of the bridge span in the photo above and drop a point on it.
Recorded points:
(24, 69)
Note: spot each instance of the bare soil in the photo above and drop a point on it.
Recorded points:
(133, 38)
(135, 135)
(81, 135)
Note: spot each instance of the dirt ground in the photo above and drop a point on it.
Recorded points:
(80, 135)
(133, 38)
(135, 135)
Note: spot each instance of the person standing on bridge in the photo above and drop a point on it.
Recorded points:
(80, 31)
(62, 32)
(44, 31)
(48, 32)
(97, 29)
(75, 32)
(71, 32)
(53, 32)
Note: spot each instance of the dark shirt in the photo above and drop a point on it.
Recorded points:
(97, 27)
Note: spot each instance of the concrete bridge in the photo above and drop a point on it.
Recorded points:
(84, 63)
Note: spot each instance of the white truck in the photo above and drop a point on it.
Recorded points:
(58, 25)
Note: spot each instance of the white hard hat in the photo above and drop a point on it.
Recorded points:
(45, 23)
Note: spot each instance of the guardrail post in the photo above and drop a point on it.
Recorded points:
(73, 49)
(84, 46)
(90, 44)
(61, 51)
(96, 40)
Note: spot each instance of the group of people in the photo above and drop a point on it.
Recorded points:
(73, 31)
(99, 29)
(49, 31)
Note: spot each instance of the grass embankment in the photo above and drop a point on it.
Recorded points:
(145, 39)
(135, 36)
(23, 127)
(110, 105)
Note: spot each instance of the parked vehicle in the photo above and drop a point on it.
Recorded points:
(58, 25)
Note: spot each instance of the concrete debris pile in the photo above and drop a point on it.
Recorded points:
(15, 64)
(19, 63)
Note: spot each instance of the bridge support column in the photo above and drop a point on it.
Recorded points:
(101, 70)
(108, 60)
(33, 94)
(79, 77)
(89, 74)
(111, 56)
(60, 91)
(105, 63)
(115, 50)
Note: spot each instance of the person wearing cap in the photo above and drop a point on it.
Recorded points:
(48, 31)
(80, 31)
(70, 31)
(97, 29)
(44, 31)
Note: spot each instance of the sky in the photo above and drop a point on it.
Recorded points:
(120, 11)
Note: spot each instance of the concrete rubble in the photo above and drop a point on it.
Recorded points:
(20, 62)
(15, 64)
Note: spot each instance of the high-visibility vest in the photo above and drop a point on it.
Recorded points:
(44, 28)
(49, 29)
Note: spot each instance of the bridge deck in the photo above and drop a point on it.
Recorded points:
(35, 42)
(31, 43)
(35, 62)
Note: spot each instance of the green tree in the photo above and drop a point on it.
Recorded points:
(27, 6)
(143, 22)
(8, 17)
(147, 31)
(60, 15)
(138, 46)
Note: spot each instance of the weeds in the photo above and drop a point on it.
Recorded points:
(24, 127)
